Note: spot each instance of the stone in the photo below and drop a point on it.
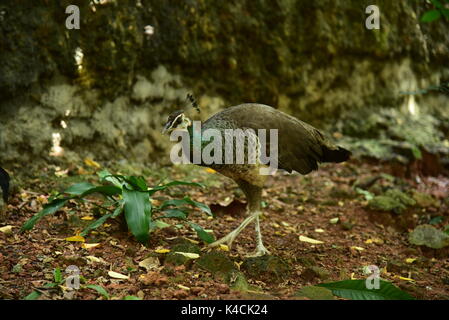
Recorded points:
(425, 200)
(266, 267)
(393, 200)
(215, 262)
(237, 281)
(428, 236)
(176, 259)
(313, 272)
(315, 293)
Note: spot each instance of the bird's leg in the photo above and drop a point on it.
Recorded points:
(230, 237)
(253, 195)
(260, 248)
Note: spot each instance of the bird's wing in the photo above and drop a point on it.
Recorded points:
(300, 146)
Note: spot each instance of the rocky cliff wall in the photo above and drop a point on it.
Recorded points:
(313, 59)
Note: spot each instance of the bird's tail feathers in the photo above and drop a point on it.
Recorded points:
(335, 155)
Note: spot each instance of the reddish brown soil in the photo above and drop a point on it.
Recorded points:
(296, 206)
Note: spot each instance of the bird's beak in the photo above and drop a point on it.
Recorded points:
(164, 130)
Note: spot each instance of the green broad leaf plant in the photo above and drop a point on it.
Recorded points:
(129, 196)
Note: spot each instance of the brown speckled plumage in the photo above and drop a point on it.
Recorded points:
(300, 148)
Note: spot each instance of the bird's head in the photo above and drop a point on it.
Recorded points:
(176, 121)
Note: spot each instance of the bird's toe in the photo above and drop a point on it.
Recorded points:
(259, 252)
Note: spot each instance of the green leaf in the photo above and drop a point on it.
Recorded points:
(129, 182)
(105, 175)
(96, 224)
(79, 188)
(99, 289)
(84, 188)
(33, 295)
(446, 229)
(368, 195)
(174, 213)
(138, 183)
(118, 210)
(357, 290)
(203, 235)
(315, 293)
(431, 15)
(436, 220)
(49, 208)
(185, 201)
(137, 208)
(416, 152)
(132, 298)
(57, 275)
(203, 207)
(175, 183)
(437, 4)
(105, 190)
(36, 294)
(445, 13)
(158, 224)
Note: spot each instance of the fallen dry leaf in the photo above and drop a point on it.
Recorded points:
(6, 229)
(95, 259)
(374, 240)
(89, 245)
(183, 287)
(309, 240)
(91, 163)
(334, 220)
(162, 250)
(150, 263)
(404, 278)
(117, 275)
(77, 238)
(189, 255)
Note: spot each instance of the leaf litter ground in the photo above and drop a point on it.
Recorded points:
(341, 236)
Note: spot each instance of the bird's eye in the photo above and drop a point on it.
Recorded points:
(177, 122)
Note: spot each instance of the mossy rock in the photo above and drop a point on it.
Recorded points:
(266, 267)
(401, 197)
(428, 236)
(237, 281)
(216, 262)
(313, 272)
(397, 266)
(306, 261)
(393, 200)
(425, 200)
(346, 225)
(177, 259)
(341, 192)
(315, 293)
(391, 134)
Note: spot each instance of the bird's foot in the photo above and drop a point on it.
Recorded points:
(228, 240)
(230, 237)
(259, 252)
